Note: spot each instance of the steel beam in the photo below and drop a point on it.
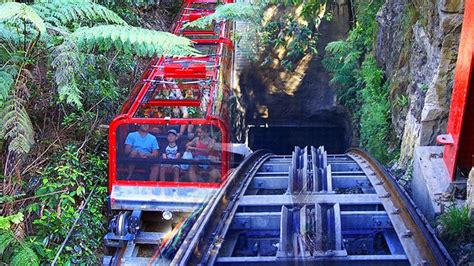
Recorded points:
(269, 182)
(256, 221)
(280, 200)
(361, 220)
(371, 260)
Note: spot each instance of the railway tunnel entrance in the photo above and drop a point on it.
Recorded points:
(330, 128)
(284, 109)
(282, 139)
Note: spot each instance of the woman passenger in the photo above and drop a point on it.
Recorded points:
(202, 147)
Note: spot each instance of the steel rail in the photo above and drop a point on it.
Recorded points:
(218, 206)
(423, 235)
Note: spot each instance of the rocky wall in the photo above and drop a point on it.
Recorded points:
(417, 46)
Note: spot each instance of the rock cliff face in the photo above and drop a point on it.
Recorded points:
(417, 45)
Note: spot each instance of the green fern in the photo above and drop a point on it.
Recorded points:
(6, 238)
(23, 253)
(132, 40)
(6, 222)
(62, 12)
(12, 11)
(25, 256)
(234, 11)
(8, 35)
(337, 47)
(66, 65)
(6, 82)
(128, 39)
(139, 3)
(15, 125)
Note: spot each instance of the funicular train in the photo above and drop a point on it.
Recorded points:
(168, 147)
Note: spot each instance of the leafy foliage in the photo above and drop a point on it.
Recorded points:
(25, 256)
(77, 175)
(133, 40)
(8, 35)
(6, 222)
(375, 110)
(14, 11)
(62, 12)
(6, 238)
(6, 82)
(124, 38)
(22, 254)
(75, 46)
(309, 8)
(66, 64)
(456, 224)
(139, 3)
(296, 34)
(127, 39)
(359, 82)
(15, 125)
(234, 11)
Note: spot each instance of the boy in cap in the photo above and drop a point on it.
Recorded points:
(171, 151)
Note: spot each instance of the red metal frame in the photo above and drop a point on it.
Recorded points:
(458, 141)
(126, 120)
(184, 102)
(204, 67)
(193, 71)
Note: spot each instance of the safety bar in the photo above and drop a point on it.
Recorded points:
(175, 102)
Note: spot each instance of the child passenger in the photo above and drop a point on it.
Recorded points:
(171, 151)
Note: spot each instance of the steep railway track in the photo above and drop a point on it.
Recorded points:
(309, 207)
(313, 207)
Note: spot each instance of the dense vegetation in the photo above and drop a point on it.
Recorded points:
(456, 231)
(361, 87)
(360, 83)
(284, 31)
(66, 65)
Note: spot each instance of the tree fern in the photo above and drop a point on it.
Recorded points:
(139, 3)
(234, 11)
(12, 11)
(15, 126)
(62, 12)
(66, 65)
(8, 35)
(132, 40)
(25, 256)
(6, 239)
(337, 47)
(6, 82)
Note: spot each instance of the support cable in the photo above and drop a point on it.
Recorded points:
(81, 210)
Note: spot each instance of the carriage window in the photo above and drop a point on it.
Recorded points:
(172, 153)
(176, 98)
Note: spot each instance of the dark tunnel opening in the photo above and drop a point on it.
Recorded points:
(281, 139)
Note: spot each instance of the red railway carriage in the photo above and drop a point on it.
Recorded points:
(169, 147)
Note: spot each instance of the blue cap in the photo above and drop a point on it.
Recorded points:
(172, 131)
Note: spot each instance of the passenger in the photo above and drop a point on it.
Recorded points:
(201, 148)
(155, 112)
(206, 91)
(171, 151)
(141, 144)
(173, 92)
